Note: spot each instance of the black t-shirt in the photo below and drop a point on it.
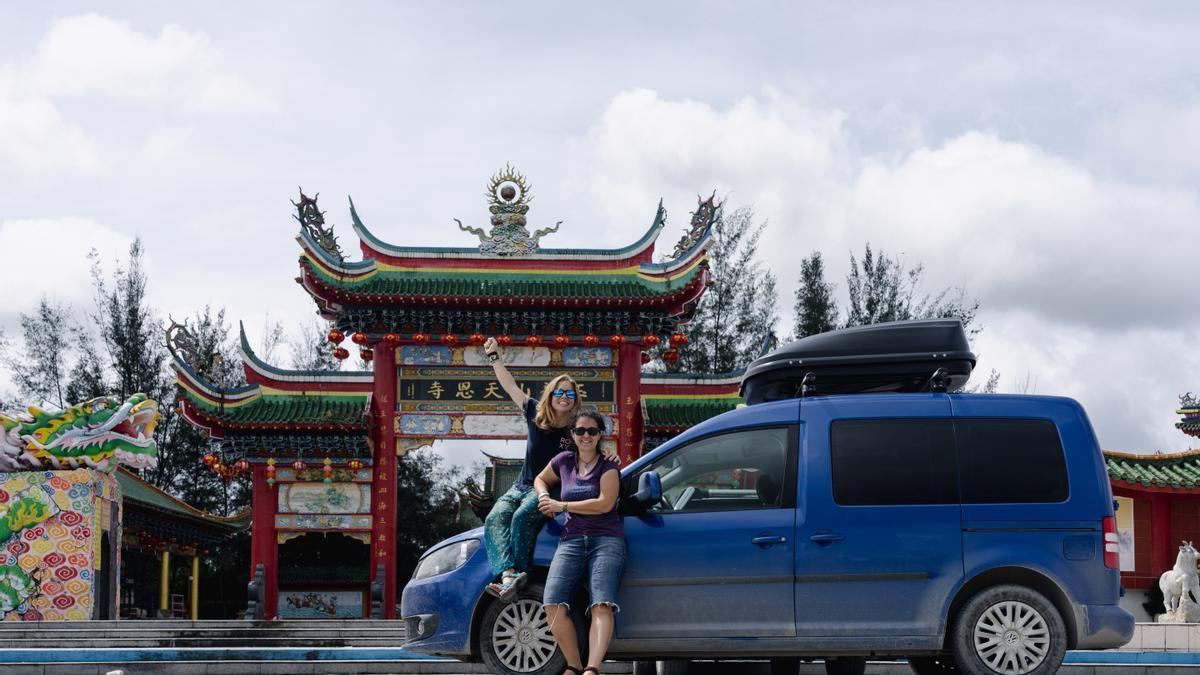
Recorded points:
(541, 447)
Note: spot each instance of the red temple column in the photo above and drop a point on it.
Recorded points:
(263, 548)
(1162, 555)
(629, 401)
(383, 484)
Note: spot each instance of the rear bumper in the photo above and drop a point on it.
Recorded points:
(1103, 627)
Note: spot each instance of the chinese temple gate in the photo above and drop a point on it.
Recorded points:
(321, 447)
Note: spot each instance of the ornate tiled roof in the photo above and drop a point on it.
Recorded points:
(1189, 407)
(140, 493)
(1179, 470)
(668, 413)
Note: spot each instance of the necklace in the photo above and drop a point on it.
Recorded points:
(587, 465)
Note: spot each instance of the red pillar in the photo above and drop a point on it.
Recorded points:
(263, 548)
(1162, 553)
(629, 401)
(383, 484)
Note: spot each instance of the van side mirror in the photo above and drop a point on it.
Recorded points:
(649, 490)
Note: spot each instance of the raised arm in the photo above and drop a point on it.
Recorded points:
(505, 378)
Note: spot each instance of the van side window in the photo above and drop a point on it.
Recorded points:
(739, 470)
(893, 461)
(1009, 461)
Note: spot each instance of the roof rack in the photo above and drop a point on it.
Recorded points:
(902, 356)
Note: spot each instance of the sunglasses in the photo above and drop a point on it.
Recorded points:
(590, 431)
(559, 393)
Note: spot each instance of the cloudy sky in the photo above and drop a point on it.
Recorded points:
(1044, 157)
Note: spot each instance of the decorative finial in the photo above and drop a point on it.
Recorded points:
(508, 195)
(707, 211)
(312, 219)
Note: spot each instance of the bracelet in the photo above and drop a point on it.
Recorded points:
(493, 356)
(543, 494)
(564, 507)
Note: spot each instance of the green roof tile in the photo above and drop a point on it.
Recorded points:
(134, 489)
(291, 409)
(505, 284)
(684, 412)
(1176, 470)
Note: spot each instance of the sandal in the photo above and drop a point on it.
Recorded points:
(510, 585)
(571, 669)
(590, 669)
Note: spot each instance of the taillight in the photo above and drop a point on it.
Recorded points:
(1112, 545)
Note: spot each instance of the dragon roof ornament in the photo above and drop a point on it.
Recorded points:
(98, 434)
(312, 220)
(707, 212)
(183, 345)
(509, 195)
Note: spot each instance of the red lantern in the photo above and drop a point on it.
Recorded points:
(561, 341)
(533, 340)
(504, 340)
(341, 354)
(420, 338)
(210, 459)
(218, 468)
(242, 465)
(650, 340)
(591, 340)
(645, 358)
(270, 470)
(355, 464)
(366, 355)
(678, 339)
(617, 340)
(336, 336)
(299, 465)
(360, 338)
(670, 356)
(477, 338)
(391, 339)
(449, 339)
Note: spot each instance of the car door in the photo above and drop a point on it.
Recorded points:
(714, 557)
(879, 544)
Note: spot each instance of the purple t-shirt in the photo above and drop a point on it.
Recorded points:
(576, 488)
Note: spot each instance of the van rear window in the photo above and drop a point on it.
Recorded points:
(893, 461)
(1009, 461)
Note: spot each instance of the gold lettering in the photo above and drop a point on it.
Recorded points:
(435, 389)
(492, 391)
(581, 389)
(465, 391)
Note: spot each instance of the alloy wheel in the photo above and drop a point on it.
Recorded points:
(1011, 637)
(521, 637)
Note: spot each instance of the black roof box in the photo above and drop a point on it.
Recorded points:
(901, 356)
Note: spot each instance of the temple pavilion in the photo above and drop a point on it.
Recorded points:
(320, 447)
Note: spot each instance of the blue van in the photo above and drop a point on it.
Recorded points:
(965, 532)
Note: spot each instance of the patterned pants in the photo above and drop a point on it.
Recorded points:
(511, 529)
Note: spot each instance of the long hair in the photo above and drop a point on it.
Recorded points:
(544, 416)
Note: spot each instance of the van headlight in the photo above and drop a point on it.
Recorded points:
(445, 559)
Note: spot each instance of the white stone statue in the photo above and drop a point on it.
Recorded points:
(1180, 587)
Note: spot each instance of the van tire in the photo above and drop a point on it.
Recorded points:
(785, 665)
(528, 600)
(942, 664)
(990, 611)
(845, 665)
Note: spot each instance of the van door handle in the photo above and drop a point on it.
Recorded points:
(768, 540)
(824, 538)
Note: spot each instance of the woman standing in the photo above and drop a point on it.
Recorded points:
(512, 526)
(592, 543)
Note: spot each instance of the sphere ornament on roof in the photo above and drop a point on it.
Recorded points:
(508, 195)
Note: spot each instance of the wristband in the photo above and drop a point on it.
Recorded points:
(493, 357)
(564, 507)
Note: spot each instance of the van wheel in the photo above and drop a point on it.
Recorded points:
(1009, 630)
(942, 664)
(786, 665)
(845, 665)
(514, 638)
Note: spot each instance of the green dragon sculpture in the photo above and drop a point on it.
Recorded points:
(96, 434)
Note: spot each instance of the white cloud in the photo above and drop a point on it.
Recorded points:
(50, 256)
(34, 139)
(1079, 275)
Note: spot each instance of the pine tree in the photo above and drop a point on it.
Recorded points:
(881, 289)
(816, 308)
(312, 351)
(40, 373)
(737, 313)
(427, 493)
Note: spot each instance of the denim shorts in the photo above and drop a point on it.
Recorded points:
(602, 558)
